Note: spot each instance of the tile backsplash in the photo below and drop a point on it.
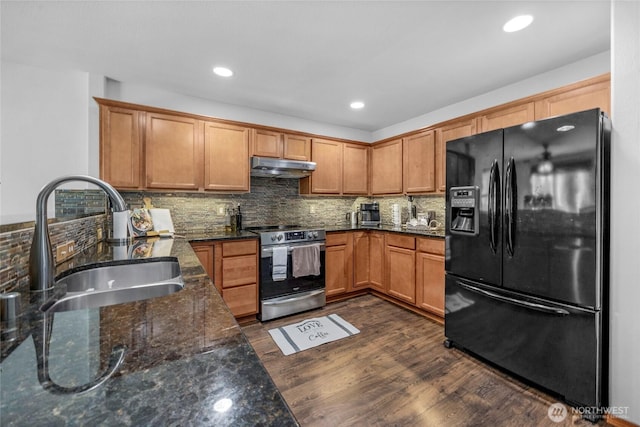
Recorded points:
(271, 201)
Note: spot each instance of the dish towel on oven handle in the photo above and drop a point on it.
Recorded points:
(306, 260)
(279, 269)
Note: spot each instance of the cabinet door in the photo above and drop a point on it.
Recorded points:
(296, 147)
(204, 252)
(401, 273)
(576, 98)
(338, 263)
(449, 133)
(430, 282)
(386, 168)
(355, 170)
(120, 146)
(361, 258)
(173, 152)
(506, 117)
(226, 151)
(266, 143)
(327, 178)
(377, 261)
(241, 300)
(419, 162)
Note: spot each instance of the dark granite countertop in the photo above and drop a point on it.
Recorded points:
(186, 358)
(418, 233)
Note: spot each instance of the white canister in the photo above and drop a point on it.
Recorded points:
(395, 214)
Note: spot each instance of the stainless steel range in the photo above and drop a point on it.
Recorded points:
(292, 270)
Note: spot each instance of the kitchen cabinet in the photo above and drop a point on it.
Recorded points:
(226, 153)
(400, 261)
(361, 259)
(266, 143)
(386, 167)
(121, 146)
(377, 261)
(458, 129)
(505, 117)
(204, 252)
(236, 275)
(327, 178)
(338, 263)
(173, 152)
(418, 165)
(594, 93)
(430, 275)
(355, 170)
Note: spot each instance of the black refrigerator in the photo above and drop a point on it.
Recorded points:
(527, 249)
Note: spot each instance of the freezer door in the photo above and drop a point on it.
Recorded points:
(475, 163)
(555, 346)
(553, 210)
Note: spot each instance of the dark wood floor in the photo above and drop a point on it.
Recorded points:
(396, 372)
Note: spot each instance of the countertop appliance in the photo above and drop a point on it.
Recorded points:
(527, 237)
(292, 270)
(370, 214)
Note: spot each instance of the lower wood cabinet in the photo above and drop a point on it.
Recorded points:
(338, 263)
(430, 275)
(400, 260)
(233, 267)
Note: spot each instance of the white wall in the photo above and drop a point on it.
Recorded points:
(144, 95)
(43, 136)
(625, 176)
(584, 69)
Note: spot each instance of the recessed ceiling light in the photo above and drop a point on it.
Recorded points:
(222, 71)
(518, 23)
(356, 105)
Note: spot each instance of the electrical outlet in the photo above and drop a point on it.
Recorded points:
(220, 210)
(312, 209)
(65, 251)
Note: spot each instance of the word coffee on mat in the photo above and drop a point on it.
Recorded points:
(311, 333)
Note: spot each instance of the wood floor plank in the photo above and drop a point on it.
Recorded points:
(395, 372)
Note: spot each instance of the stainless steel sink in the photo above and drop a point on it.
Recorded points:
(117, 284)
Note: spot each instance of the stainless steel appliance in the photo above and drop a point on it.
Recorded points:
(527, 235)
(288, 280)
(370, 214)
(281, 168)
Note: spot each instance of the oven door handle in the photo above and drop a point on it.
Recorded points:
(267, 252)
(298, 297)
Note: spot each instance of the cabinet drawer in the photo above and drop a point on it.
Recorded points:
(400, 241)
(240, 270)
(242, 300)
(433, 246)
(335, 239)
(244, 247)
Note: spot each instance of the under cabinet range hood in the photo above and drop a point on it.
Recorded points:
(280, 168)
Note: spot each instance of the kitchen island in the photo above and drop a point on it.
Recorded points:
(186, 362)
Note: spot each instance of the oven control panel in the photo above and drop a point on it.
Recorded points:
(294, 236)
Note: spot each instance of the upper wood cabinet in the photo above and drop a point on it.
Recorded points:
(121, 146)
(226, 153)
(265, 143)
(355, 169)
(327, 178)
(506, 117)
(446, 133)
(386, 167)
(173, 149)
(577, 97)
(418, 164)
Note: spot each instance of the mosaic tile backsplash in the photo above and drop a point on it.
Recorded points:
(271, 201)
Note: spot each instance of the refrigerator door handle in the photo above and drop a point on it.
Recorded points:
(494, 204)
(531, 305)
(511, 198)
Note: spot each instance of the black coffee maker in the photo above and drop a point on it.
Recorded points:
(370, 214)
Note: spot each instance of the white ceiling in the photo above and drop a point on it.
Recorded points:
(309, 59)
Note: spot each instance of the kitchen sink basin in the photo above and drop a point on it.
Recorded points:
(116, 284)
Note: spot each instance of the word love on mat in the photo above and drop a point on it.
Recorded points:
(311, 333)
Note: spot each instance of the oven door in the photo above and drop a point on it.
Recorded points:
(293, 294)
